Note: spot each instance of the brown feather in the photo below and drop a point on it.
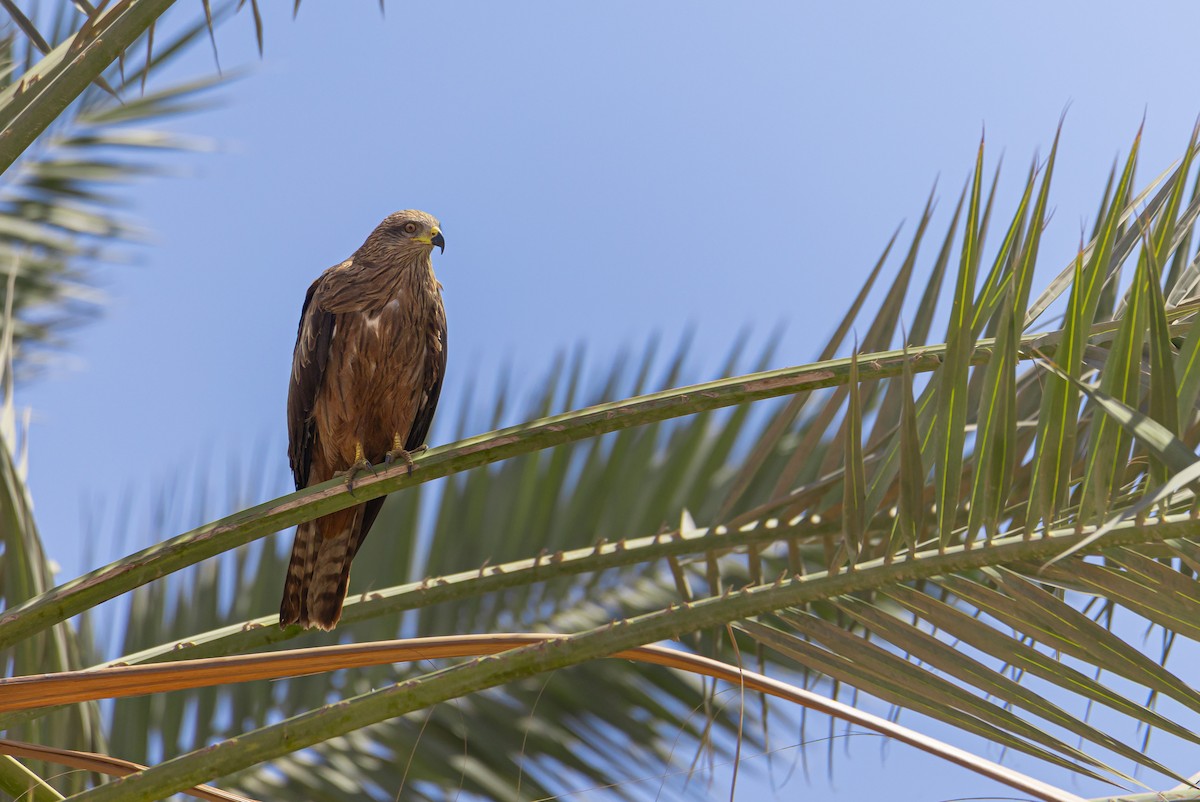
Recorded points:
(368, 365)
(294, 609)
(339, 537)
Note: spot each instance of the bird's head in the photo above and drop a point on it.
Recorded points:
(408, 233)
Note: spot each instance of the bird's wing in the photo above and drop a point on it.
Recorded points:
(435, 370)
(308, 369)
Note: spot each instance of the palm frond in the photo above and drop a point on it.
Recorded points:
(59, 218)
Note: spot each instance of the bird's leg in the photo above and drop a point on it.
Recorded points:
(360, 466)
(398, 452)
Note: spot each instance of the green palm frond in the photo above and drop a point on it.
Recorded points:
(25, 572)
(60, 218)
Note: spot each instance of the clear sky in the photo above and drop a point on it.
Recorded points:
(603, 172)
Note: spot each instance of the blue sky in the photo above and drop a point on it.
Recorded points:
(603, 172)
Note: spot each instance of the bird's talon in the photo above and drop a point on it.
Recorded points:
(361, 466)
(400, 453)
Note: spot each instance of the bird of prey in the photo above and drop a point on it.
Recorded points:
(366, 374)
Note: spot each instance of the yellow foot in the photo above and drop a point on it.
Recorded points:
(360, 466)
(398, 452)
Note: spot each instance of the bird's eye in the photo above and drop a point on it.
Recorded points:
(410, 228)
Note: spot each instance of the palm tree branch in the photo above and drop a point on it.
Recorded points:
(29, 106)
(104, 764)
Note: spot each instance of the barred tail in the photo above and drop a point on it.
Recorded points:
(319, 570)
(294, 608)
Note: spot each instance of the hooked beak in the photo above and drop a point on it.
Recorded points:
(438, 240)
